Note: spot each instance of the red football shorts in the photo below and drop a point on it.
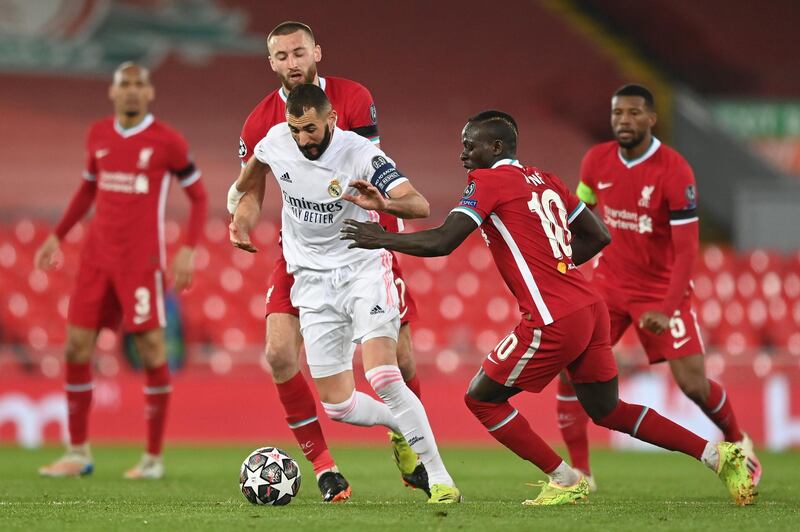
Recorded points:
(683, 338)
(103, 298)
(279, 300)
(529, 358)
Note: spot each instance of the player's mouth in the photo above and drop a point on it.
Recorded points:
(296, 77)
(625, 134)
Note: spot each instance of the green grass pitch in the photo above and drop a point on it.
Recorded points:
(638, 491)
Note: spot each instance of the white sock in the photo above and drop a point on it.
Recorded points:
(710, 457)
(411, 417)
(361, 410)
(564, 475)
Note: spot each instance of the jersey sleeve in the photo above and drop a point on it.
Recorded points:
(572, 202)
(248, 138)
(479, 198)
(681, 194)
(377, 168)
(90, 170)
(586, 186)
(180, 162)
(363, 115)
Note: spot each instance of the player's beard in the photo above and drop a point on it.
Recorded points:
(321, 147)
(636, 139)
(309, 76)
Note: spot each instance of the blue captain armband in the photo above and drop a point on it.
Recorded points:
(385, 174)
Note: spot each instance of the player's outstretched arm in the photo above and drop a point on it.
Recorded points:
(78, 207)
(430, 243)
(403, 201)
(589, 236)
(253, 179)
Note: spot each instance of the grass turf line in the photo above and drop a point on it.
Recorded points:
(653, 491)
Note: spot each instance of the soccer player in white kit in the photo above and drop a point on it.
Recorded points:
(345, 296)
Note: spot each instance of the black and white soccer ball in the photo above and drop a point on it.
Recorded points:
(269, 476)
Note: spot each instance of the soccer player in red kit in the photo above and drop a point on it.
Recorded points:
(645, 193)
(131, 157)
(538, 232)
(293, 56)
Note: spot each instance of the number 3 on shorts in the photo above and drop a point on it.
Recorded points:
(142, 295)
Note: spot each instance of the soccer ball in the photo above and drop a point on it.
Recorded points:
(269, 476)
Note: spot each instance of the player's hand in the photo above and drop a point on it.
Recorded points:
(366, 235)
(46, 255)
(245, 218)
(369, 197)
(654, 321)
(183, 268)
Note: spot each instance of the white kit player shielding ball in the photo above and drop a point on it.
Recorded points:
(346, 297)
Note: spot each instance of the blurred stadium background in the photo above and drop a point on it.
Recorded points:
(728, 93)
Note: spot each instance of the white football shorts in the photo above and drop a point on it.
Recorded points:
(343, 307)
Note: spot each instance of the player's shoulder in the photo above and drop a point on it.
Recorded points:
(344, 86)
(264, 110)
(165, 129)
(671, 155)
(101, 126)
(602, 150)
(278, 133)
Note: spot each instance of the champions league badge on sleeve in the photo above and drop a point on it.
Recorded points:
(334, 188)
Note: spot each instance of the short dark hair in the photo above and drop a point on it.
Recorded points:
(287, 28)
(633, 89)
(305, 97)
(498, 125)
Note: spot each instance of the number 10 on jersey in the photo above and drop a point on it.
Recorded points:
(554, 226)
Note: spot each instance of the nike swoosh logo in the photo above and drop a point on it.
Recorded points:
(602, 186)
(99, 154)
(493, 361)
(678, 345)
(138, 320)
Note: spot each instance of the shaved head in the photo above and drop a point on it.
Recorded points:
(144, 73)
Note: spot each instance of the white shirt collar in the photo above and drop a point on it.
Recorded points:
(654, 145)
(138, 128)
(283, 95)
(512, 162)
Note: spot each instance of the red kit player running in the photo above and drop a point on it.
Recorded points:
(538, 232)
(293, 56)
(130, 158)
(645, 192)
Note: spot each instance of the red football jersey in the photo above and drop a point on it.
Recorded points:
(639, 201)
(132, 168)
(353, 104)
(525, 215)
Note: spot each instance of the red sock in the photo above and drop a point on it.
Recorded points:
(79, 399)
(413, 385)
(719, 410)
(572, 421)
(301, 415)
(646, 424)
(157, 390)
(510, 428)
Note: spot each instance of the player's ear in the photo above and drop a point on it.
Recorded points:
(317, 53)
(332, 117)
(653, 119)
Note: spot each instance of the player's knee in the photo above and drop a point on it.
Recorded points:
(282, 360)
(77, 350)
(695, 387)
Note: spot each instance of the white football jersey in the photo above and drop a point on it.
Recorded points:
(313, 210)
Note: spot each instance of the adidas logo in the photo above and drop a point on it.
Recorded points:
(376, 310)
(285, 177)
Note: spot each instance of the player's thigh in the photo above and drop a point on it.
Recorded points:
(596, 363)
(283, 339)
(620, 317)
(681, 340)
(93, 303)
(280, 289)
(141, 296)
(529, 358)
(151, 345)
(372, 300)
(379, 348)
(328, 338)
